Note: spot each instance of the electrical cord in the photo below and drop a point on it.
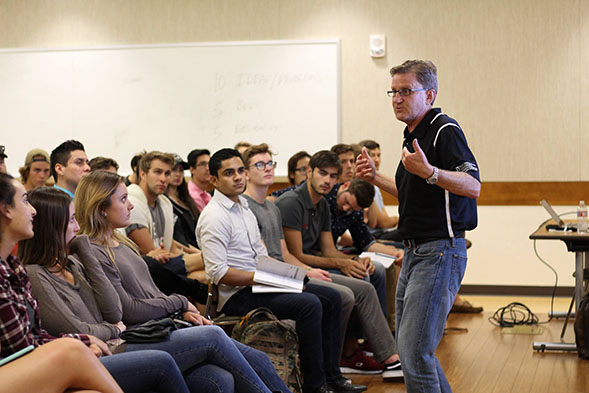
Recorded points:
(513, 314)
(518, 313)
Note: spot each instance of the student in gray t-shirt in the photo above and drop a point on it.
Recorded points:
(354, 292)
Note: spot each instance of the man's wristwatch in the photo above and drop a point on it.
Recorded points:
(433, 179)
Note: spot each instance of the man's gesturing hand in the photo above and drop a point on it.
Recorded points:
(416, 163)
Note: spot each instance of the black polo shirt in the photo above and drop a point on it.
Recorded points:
(428, 211)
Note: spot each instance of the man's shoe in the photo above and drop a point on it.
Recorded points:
(392, 372)
(325, 388)
(466, 308)
(359, 363)
(343, 385)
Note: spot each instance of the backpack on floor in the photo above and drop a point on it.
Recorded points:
(582, 328)
(260, 329)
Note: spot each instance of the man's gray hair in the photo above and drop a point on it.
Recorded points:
(424, 70)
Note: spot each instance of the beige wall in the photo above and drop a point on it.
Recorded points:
(512, 72)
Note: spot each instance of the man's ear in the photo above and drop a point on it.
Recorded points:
(59, 169)
(214, 181)
(430, 96)
(141, 175)
(309, 172)
(247, 175)
(345, 186)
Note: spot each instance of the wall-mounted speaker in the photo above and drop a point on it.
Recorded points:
(378, 44)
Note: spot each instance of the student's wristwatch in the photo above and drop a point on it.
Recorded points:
(433, 179)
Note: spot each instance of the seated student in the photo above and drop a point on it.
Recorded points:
(307, 230)
(198, 161)
(345, 154)
(152, 221)
(20, 325)
(297, 172)
(60, 365)
(228, 234)
(104, 163)
(69, 164)
(242, 146)
(3, 157)
(35, 172)
(133, 178)
(354, 293)
(185, 210)
(77, 296)
(306, 203)
(346, 204)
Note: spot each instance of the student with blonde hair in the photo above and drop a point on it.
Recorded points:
(103, 207)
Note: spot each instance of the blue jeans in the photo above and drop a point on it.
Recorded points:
(378, 279)
(145, 371)
(430, 278)
(194, 347)
(306, 309)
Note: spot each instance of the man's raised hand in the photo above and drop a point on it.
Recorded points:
(365, 168)
(416, 163)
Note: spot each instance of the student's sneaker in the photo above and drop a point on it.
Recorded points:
(392, 372)
(360, 363)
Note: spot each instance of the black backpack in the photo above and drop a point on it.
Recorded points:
(582, 328)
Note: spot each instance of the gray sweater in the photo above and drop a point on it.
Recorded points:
(79, 308)
(140, 298)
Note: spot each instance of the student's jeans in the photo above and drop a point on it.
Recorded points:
(235, 364)
(378, 279)
(145, 371)
(430, 278)
(317, 313)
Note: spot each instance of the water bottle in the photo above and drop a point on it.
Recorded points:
(582, 217)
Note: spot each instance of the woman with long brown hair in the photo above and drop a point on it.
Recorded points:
(20, 325)
(209, 359)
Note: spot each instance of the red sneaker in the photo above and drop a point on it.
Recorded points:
(360, 363)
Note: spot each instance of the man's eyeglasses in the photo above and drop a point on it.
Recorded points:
(261, 165)
(302, 169)
(202, 164)
(405, 92)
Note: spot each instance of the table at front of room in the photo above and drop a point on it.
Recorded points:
(579, 244)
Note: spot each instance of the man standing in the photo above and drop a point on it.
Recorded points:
(198, 161)
(69, 164)
(437, 183)
(228, 233)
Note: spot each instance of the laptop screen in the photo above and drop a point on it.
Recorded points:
(552, 213)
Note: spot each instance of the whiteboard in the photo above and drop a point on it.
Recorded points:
(118, 101)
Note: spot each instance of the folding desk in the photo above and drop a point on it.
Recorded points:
(579, 244)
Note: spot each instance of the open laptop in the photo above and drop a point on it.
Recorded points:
(560, 224)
